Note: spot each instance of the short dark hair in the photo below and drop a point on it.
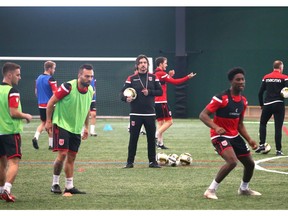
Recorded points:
(160, 60)
(86, 66)
(9, 66)
(236, 70)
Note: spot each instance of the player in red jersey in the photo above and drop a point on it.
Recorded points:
(163, 112)
(227, 130)
(273, 104)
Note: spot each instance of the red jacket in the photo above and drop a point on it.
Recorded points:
(164, 78)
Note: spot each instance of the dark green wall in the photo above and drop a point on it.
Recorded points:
(227, 37)
(217, 40)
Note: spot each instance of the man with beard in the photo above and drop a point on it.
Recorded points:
(72, 100)
(142, 111)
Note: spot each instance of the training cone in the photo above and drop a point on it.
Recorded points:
(107, 127)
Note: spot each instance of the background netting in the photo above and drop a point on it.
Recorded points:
(109, 73)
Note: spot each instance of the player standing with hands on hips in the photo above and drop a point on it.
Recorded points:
(11, 126)
(142, 111)
(72, 100)
(227, 130)
(273, 104)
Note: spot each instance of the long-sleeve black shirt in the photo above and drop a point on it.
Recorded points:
(143, 105)
(272, 83)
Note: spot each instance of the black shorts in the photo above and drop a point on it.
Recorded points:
(64, 140)
(238, 144)
(42, 112)
(10, 146)
(163, 111)
(93, 106)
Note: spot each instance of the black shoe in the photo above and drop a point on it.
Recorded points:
(129, 165)
(35, 143)
(50, 148)
(279, 153)
(93, 134)
(154, 165)
(260, 148)
(56, 189)
(143, 132)
(74, 191)
(162, 146)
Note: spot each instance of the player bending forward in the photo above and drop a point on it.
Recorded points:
(226, 128)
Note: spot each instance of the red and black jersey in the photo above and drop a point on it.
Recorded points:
(165, 78)
(227, 111)
(143, 105)
(272, 83)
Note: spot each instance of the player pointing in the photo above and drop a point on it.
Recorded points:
(163, 112)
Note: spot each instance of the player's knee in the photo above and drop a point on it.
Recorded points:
(232, 164)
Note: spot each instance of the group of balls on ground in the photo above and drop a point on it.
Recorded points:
(174, 160)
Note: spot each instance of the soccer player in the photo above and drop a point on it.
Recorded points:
(72, 100)
(93, 110)
(142, 111)
(163, 112)
(227, 130)
(45, 86)
(273, 104)
(11, 126)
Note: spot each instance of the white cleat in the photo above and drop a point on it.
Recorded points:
(210, 194)
(248, 192)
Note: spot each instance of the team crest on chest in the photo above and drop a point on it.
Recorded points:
(150, 79)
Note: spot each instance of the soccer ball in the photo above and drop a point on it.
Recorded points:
(267, 149)
(162, 158)
(284, 92)
(185, 159)
(130, 92)
(173, 160)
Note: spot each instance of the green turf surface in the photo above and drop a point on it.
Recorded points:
(99, 171)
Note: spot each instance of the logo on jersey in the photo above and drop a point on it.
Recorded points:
(150, 79)
(61, 142)
(132, 123)
(224, 143)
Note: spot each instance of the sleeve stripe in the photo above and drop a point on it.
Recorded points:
(65, 89)
(14, 95)
(217, 99)
(164, 76)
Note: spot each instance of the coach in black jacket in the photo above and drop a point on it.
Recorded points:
(273, 104)
(142, 109)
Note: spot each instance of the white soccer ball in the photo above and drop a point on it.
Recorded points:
(173, 160)
(130, 92)
(185, 159)
(284, 92)
(267, 149)
(162, 158)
